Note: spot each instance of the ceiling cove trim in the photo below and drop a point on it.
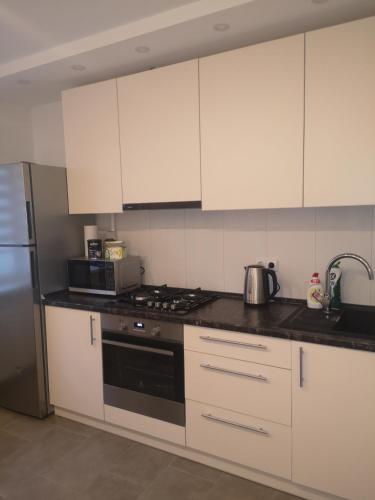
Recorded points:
(121, 33)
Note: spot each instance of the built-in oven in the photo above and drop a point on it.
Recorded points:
(143, 367)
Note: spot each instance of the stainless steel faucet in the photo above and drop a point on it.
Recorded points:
(347, 255)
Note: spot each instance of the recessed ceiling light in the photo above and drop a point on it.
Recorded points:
(221, 27)
(142, 49)
(78, 67)
(319, 1)
(23, 81)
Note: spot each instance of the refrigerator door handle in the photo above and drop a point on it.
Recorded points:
(29, 220)
(32, 268)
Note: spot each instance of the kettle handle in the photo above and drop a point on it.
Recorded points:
(275, 284)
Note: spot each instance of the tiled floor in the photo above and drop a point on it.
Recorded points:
(60, 459)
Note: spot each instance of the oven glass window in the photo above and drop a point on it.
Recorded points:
(145, 369)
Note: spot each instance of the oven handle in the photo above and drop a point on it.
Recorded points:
(164, 352)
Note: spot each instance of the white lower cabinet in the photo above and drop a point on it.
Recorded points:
(239, 438)
(334, 420)
(258, 390)
(74, 355)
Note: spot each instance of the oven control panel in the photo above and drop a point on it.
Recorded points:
(145, 327)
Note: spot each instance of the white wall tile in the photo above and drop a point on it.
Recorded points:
(167, 240)
(133, 228)
(291, 240)
(244, 243)
(346, 229)
(204, 249)
(209, 249)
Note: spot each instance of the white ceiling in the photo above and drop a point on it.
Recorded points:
(41, 39)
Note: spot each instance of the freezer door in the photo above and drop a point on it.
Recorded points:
(16, 208)
(22, 379)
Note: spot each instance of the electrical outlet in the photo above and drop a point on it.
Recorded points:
(272, 263)
(261, 261)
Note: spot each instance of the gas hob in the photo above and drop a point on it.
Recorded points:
(164, 299)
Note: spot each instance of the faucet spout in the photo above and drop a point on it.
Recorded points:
(341, 256)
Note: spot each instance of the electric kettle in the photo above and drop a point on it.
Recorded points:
(257, 286)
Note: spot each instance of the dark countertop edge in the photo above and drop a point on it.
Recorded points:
(275, 332)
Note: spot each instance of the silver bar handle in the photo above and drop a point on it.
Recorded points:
(92, 337)
(234, 372)
(234, 342)
(258, 430)
(301, 380)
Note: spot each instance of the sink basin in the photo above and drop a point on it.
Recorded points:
(351, 321)
(360, 322)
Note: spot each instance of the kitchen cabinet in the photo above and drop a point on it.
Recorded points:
(92, 148)
(159, 135)
(74, 354)
(340, 115)
(251, 105)
(333, 416)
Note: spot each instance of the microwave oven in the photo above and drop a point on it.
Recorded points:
(103, 276)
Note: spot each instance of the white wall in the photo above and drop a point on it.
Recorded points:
(193, 248)
(48, 134)
(15, 134)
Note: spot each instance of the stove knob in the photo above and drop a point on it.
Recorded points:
(155, 332)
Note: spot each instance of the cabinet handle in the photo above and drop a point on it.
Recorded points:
(234, 342)
(258, 430)
(234, 372)
(301, 366)
(92, 338)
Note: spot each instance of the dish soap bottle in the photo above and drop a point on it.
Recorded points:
(314, 293)
(335, 286)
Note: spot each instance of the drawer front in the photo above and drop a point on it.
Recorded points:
(256, 348)
(239, 438)
(258, 390)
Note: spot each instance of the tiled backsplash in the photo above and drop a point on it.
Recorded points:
(193, 248)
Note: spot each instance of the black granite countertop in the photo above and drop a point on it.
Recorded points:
(229, 312)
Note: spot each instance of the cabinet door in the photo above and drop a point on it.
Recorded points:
(333, 415)
(159, 134)
(92, 148)
(252, 126)
(340, 115)
(74, 354)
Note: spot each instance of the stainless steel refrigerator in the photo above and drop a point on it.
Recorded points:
(36, 237)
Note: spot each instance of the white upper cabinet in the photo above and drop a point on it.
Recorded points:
(92, 148)
(159, 134)
(333, 415)
(252, 103)
(340, 115)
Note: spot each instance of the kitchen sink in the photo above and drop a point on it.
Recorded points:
(360, 322)
(355, 321)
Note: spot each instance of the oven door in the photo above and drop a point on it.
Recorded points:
(144, 375)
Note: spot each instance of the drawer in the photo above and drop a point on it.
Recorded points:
(258, 390)
(248, 347)
(239, 438)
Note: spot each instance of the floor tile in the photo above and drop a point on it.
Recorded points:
(6, 417)
(173, 484)
(197, 469)
(39, 488)
(142, 463)
(112, 487)
(230, 487)
(74, 427)
(28, 428)
(78, 468)
(10, 444)
(37, 457)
